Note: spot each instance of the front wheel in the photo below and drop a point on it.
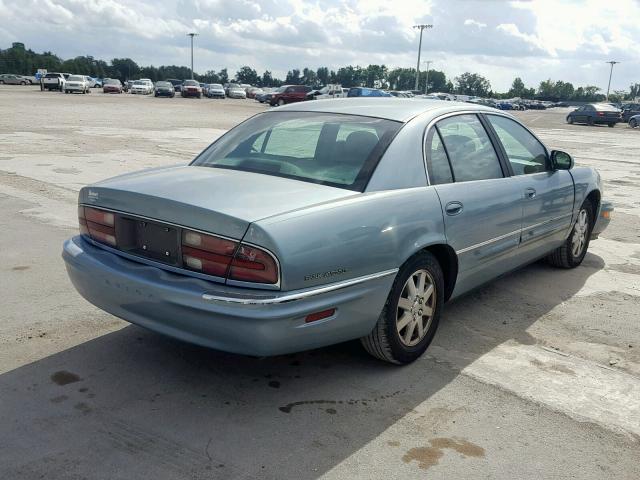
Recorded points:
(409, 319)
(611, 125)
(570, 120)
(281, 102)
(633, 123)
(573, 250)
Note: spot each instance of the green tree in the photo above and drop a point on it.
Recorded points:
(248, 75)
(472, 84)
(309, 77)
(323, 75)
(517, 88)
(124, 68)
(293, 77)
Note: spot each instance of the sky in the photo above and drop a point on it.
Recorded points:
(537, 40)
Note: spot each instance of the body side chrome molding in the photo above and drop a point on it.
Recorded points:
(299, 295)
(506, 235)
(487, 242)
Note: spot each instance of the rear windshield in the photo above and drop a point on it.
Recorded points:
(603, 107)
(330, 149)
(112, 81)
(191, 83)
(163, 84)
(75, 78)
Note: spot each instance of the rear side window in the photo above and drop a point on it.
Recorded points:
(471, 153)
(525, 153)
(438, 163)
(330, 149)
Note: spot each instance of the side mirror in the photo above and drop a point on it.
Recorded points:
(561, 160)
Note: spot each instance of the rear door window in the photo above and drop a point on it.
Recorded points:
(470, 150)
(437, 161)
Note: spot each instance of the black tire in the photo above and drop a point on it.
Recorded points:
(590, 121)
(570, 120)
(1, 82)
(633, 123)
(565, 256)
(611, 125)
(23, 83)
(384, 341)
(281, 102)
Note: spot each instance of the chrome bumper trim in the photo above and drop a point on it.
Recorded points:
(271, 300)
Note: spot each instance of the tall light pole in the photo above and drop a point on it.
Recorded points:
(192, 35)
(421, 27)
(612, 62)
(426, 86)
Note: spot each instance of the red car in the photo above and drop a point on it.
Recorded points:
(191, 88)
(290, 94)
(112, 85)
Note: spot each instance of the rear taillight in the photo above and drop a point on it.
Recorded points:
(206, 253)
(225, 258)
(252, 264)
(601, 114)
(97, 224)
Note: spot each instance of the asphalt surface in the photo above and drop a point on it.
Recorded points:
(536, 375)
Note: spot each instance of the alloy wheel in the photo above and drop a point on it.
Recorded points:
(580, 232)
(416, 307)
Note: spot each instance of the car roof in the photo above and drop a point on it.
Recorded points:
(390, 108)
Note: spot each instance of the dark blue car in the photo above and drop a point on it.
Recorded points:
(367, 92)
(593, 113)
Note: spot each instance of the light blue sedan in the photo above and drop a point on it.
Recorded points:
(327, 221)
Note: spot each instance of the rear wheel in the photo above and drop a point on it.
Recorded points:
(611, 125)
(590, 121)
(633, 123)
(409, 319)
(281, 102)
(572, 252)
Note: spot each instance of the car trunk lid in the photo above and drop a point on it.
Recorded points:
(214, 200)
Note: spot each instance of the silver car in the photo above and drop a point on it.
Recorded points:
(9, 79)
(236, 91)
(77, 83)
(323, 222)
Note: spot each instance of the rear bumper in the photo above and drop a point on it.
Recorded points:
(251, 322)
(603, 220)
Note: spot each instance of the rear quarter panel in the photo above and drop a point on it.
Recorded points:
(348, 238)
(586, 180)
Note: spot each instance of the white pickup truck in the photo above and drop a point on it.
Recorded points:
(328, 91)
(54, 81)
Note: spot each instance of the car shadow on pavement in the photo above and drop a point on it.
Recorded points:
(133, 404)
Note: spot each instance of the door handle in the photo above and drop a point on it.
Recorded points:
(453, 208)
(530, 192)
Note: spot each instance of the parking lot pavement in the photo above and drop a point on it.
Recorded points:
(536, 375)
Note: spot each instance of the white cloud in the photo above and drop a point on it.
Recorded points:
(470, 21)
(501, 40)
